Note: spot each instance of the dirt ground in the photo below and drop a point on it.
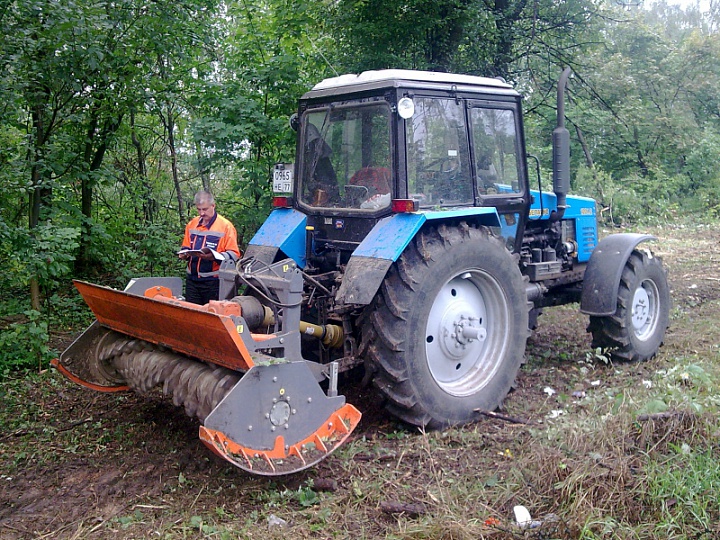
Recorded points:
(87, 465)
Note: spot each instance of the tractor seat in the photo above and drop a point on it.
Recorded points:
(377, 178)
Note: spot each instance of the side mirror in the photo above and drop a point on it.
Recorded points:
(294, 121)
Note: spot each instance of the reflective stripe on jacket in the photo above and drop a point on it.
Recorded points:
(219, 235)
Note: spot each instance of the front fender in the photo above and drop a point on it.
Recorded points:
(374, 256)
(372, 259)
(602, 276)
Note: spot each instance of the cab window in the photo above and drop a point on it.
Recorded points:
(495, 147)
(438, 164)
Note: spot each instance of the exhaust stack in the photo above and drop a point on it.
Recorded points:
(561, 149)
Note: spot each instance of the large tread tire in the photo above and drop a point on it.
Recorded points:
(445, 335)
(636, 330)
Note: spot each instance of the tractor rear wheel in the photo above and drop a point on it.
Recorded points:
(446, 333)
(636, 330)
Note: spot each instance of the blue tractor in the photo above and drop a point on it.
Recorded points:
(411, 205)
(407, 238)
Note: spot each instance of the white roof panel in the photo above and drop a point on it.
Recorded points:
(409, 75)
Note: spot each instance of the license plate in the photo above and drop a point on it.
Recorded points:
(283, 178)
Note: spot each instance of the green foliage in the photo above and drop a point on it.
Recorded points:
(67, 310)
(306, 496)
(617, 201)
(47, 253)
(702, 168)
(145, 251)
(708, 198)
(643, 112)
(8, 239)
(50, 253)
(632, 199)
(466, 36)
(24, 344)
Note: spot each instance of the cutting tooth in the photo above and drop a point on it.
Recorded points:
(193, 385)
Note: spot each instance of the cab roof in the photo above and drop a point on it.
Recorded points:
(405, 78)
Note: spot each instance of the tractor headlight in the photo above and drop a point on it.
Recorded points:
(406, 108)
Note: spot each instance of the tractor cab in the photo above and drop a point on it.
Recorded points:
(391, 141)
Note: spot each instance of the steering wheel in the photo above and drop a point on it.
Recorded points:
(356, 194)
(444, 168)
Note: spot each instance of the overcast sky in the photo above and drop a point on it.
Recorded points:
(704, 4)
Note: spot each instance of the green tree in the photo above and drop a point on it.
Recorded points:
(483, 37)
(650, 89)
(272, 52)
(78, 69)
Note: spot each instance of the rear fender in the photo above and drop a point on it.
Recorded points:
(601, 282)
(372, 259)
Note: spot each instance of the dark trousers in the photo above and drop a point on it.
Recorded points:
(201, 292)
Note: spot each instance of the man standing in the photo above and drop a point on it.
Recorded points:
(216, 237)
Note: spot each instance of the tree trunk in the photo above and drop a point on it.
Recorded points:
(96, 144)
(170, 126)
(506, 14)
(202, 166)
(83, 258)
(446, 35)
(640, 157)
(148, 204)
(586, 150)
(41, 195)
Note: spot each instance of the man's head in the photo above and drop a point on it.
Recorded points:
(205, 204)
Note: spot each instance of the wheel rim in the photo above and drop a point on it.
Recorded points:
(645, 309)
(466, 335)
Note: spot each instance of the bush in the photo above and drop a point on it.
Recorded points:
(24, 344)
(617, 204)
(709, 198)
(655, 197)
(46, 252)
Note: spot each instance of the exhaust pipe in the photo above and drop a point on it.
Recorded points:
(561, 149)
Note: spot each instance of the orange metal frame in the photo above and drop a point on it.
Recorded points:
(329, 436)
(205, 332)
(55, 362)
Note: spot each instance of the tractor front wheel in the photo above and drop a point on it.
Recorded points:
(636, 330)
(446, 333)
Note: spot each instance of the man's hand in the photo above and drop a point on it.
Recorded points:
(206, 254)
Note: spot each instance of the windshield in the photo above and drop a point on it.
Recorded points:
(346, 157)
